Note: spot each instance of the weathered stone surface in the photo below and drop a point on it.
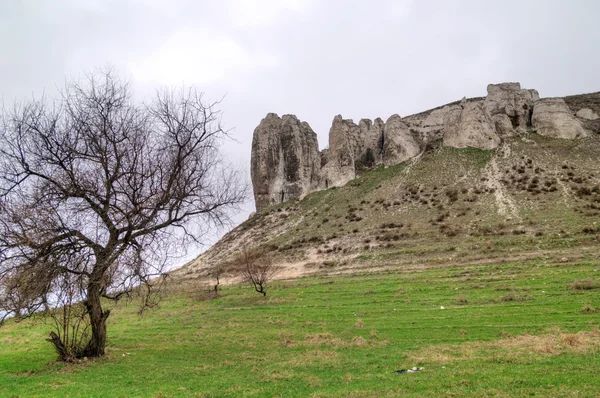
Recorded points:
(352, 148)
(344, 141)
(345, 144)
(398, 143)
(427, 127)
(469, 125)
(553, 118)
(510, 108)
(285, 160)
(587, 114)
(372, 139)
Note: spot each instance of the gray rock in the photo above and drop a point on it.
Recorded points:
(285, 160)
(398, 144)
(345, 145)
(587, 114)
(553, 118)
(372, 138)
(470, 126)
(510, 107)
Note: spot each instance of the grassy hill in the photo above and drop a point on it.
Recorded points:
(535, 197)
(480, 266)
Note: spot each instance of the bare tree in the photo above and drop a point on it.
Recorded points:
(104, 192)
(257, 269)
(217, 272)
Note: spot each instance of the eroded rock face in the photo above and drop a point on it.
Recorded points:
(352, 148)
(285, 160)
(399, 144)
(344, 148)
(510, 107)
(468, 125)
(553, 118)
(372, 133)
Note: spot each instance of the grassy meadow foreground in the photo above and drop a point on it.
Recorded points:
(505, 329)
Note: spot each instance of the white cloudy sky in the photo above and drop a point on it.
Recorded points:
(312, 58)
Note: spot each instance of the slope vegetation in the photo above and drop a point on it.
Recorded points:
(534, 197)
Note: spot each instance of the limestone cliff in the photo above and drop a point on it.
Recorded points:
(287, 164)
(285, 160)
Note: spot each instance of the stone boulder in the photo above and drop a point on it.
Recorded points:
(398, 143)
(468, 125)
(510, 108)
(553, 118)
(285, 160)
(587, 114)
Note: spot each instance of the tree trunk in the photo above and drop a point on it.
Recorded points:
(59, 346)
(97, 344)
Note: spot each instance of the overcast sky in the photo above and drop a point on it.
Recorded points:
(312, 58)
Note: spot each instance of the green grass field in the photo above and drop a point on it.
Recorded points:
(508, 329)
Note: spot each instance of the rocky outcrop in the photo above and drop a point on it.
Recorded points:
(344, 148)
(399, 144)
(553, 118)
(372, 133)
(510, 108)
(352, 148)
(285, 160)
(469, 125)
(587, 114)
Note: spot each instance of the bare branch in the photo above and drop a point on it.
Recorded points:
(99, 190)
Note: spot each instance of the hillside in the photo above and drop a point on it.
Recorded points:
(534, 197)
(510, 329)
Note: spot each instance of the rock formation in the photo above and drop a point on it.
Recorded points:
(553, 118)
(469, 125)
(587, 114)
(510, 107)
(287, 164)
(285, 160)
(399, 144)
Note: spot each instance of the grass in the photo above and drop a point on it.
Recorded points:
(339, 336)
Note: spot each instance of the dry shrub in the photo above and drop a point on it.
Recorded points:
(462, 300)
(589, 309)
(584, 284)
(511, 297)
(322, 339)
(359, 340)
(285, 340)
(359, 324)
(256, 268)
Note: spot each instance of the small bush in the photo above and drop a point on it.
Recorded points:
(589, 309)
(584, 284)
(590, 229)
